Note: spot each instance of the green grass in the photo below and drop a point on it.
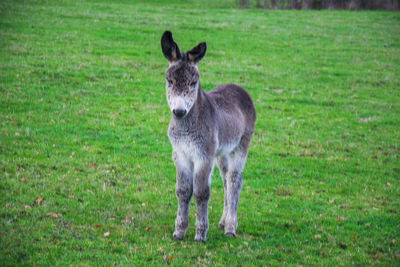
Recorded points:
(84, 120)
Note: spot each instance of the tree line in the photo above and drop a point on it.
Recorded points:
(322, 4)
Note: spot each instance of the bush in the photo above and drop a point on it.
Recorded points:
(324, 4)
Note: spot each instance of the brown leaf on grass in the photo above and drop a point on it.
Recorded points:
(127, 220)
(376, 256)
(39, 200)
(8, 205)
(307, 153)
(339, 219)
(148, 228)
(398, 256)
(384, 203)
(167, 258)
(23, 180)
(54, 215)
(387, 183)
(364, 120)
(97, 225)
(317, 237)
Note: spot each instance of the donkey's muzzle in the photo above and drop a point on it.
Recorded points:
(179, 113)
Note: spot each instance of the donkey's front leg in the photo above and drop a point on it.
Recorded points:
(202, 178)
(184, 191)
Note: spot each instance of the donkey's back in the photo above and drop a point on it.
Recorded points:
(232, 98)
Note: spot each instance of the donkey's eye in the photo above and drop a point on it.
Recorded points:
(169, 83)
(193, 84)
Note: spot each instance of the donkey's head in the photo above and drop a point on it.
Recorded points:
(182, 75)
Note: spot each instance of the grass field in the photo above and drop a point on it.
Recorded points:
(87, 176)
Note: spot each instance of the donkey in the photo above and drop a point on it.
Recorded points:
(205, 127)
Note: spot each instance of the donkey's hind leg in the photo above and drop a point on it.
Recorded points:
(222, 164)
(236, 161)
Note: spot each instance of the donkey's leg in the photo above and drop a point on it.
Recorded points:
(201, 191)
(184, 191)
(222, 163)
(236, 159)
(234, 184)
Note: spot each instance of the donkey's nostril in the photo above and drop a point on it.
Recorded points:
(179, 112)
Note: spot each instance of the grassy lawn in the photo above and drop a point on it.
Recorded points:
(87, 176)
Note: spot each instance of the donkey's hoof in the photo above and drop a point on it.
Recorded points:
(178, 235)
(177, 238)
(221, 225)
(200, 238)
(230, 234)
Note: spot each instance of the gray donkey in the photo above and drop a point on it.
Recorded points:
(205, 127)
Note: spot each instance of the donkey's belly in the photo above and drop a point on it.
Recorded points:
(228, 147)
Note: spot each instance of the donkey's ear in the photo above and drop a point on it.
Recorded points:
(169, 47)
(197, 53)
